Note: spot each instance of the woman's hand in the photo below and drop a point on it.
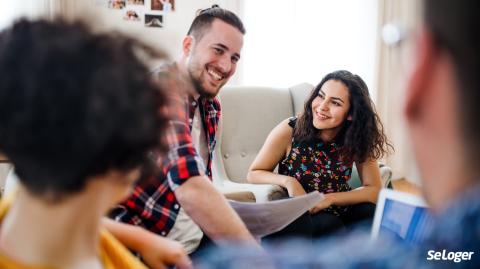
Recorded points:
(294, 188)
(323, 204)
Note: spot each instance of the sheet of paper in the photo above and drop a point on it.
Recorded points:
(263, 219)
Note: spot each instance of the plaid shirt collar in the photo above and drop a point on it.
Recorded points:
(210, 112)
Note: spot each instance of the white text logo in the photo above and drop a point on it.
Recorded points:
(449, 256)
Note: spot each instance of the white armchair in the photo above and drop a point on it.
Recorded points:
(248, 116)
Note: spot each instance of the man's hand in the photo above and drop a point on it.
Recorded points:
(209, 209)
(159, 252)
(323, 204)
(294, 188)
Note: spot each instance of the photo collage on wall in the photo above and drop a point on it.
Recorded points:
(150, 13)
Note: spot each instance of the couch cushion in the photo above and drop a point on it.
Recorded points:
(248, 115)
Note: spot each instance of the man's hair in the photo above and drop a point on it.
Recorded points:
(205, 17)
(455, 26)
(74, 104)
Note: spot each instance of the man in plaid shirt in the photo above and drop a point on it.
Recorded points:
(181, 203)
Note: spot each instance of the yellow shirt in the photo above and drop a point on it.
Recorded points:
(111, 252)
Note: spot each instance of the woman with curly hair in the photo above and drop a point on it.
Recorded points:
(316, 151)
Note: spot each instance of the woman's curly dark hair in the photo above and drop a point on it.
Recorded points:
(362, 137)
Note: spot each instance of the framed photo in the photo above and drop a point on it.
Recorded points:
(132, 15)
(136, 2)
(153, 20)
(116, 4)
(163, 5)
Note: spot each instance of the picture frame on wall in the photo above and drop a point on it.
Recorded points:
(116, 4)
(136, 2)
(132, 15)
(165, 6)
(154, 20)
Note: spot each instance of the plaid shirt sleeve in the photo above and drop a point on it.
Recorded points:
(182, 161)
(153, 204)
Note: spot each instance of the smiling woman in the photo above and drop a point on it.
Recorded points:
(316, 152)
(330, 109)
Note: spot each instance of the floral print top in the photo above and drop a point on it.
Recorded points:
(318, 167)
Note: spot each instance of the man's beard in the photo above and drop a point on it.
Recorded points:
(197, 84)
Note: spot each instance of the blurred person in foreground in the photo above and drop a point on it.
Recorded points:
(79, 114)
(441, 109)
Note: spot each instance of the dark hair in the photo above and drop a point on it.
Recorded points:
(205, 18)
(454, 25)
(363, 136)
(74, 104)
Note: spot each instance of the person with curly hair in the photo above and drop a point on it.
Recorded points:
(316, 151)
(79, 116)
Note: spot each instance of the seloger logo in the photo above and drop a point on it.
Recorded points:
(456, 256)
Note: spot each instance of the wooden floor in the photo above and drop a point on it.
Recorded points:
(406, 186)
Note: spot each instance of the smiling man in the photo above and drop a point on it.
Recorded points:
(180, 202)
(210, 56)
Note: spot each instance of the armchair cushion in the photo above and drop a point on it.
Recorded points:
(248, 116)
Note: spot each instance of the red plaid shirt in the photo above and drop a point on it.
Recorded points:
(153, 204)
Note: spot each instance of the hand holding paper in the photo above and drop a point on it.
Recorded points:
(263, 219)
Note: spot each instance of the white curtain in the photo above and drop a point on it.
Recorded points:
(392, 72)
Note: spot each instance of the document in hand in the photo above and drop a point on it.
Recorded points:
(263, 219)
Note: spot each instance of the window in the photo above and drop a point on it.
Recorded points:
(8, 10)
(289, 42)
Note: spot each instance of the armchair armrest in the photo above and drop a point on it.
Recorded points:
(240, 196)
(262, 192)
(385, 176)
